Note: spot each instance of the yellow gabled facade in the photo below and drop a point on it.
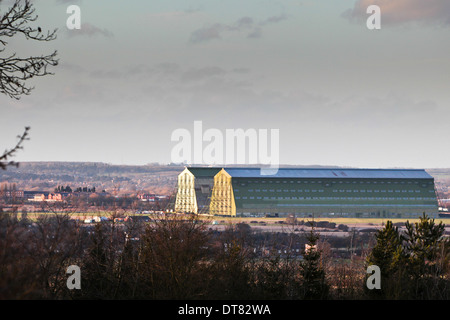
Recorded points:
(222, 196)
(186, 200)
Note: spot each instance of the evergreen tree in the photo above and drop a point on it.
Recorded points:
(424, 243)
(388, 254)
(388, 249)
(314, 285)
(411, 263)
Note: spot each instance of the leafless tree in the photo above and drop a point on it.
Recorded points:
(34, 255)
(14, 70)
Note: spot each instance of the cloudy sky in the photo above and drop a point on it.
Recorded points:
(339, 93)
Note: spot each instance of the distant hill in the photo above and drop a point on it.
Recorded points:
(152, 178)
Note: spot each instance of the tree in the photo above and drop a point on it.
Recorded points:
(389, 255)
(174, 264)
(422, 241)
(314, 285)
(413, 263)
(15, 71)
(387, 250)
(7, 154)
(425, 246)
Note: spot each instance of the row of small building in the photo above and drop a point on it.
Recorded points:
(243, 191)
(36, 196)
(45, 196)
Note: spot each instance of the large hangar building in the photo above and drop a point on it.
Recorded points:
(318, 192)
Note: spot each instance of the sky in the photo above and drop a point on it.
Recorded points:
(338, 92)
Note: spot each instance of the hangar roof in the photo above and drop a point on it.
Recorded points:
(252, 172)
(330, 173)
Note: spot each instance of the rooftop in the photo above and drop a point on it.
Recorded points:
(315, 173)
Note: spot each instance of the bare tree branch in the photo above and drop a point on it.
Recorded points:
(4, 163)
(14, 71)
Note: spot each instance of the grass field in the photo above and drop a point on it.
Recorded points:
(268, 220)
(375, 221)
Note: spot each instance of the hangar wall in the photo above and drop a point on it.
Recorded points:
(390, 193)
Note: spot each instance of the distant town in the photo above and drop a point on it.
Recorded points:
(87, 187)
(82, 198)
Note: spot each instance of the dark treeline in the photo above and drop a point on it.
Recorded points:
(169, 258)
(182, 258)
(414, 263)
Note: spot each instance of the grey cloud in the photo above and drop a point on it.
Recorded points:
(71, 67)
(107, 74)
(160, 70)
(207, 33)
(256, 33)
(202, 73)
(244, 24)
(191, 9)
(167, 67)
(274, 19)
(241, 70)
(89, 30)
